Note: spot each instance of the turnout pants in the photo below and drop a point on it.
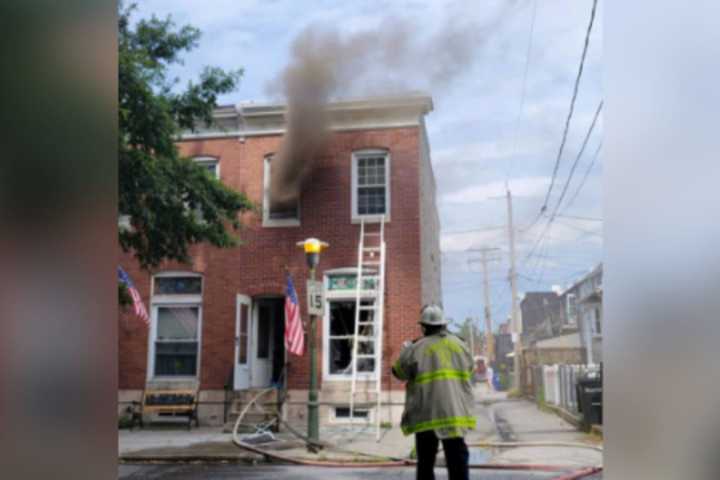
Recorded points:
(456, 456)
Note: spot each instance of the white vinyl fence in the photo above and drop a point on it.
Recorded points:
(557, 383)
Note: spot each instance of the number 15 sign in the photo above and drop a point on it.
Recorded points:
(315, 297)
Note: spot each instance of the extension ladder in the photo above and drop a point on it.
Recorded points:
(368, 332)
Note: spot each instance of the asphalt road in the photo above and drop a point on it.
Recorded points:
(288, 472)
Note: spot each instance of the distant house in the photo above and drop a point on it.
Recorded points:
(583, 300)
(543, 316)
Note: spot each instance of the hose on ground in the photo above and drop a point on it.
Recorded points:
(394, 462)
(534, 444)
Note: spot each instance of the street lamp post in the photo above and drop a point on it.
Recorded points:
(312, 248)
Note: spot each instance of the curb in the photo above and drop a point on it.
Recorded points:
(575, 420)
(249, 459)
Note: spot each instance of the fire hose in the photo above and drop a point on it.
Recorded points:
(385, 461)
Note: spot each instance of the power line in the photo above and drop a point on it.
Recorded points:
(572, 107)
(523, 90)
(570, 225)
(585, 176)
(551, 218)
(577, 217)
(474, 230)
(577, 159)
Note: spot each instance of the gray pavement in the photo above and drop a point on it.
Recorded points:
(499, 420)
(290, 472)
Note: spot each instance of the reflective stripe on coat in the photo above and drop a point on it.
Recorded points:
(437, 369)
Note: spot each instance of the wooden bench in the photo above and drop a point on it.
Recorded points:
(169, 402)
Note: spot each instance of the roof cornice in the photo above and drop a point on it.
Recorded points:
(253, 119)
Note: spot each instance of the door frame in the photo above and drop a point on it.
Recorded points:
(240, 300)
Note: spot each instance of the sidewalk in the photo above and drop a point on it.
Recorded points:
(520, 420)
(163, 443)
(498, 420)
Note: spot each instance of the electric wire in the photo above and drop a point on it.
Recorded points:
(585, 177)
(572, 107)
(523, 92)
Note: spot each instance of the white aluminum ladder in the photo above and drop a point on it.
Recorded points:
(370, 269)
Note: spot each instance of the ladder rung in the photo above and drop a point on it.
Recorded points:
(365, 355)
(372, 324)
(368, 307)
(371, 249)
(372, 234)
(371, 263)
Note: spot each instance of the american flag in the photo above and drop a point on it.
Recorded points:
(294, 335)
(138, 305)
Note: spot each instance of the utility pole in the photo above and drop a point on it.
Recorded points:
(516, 328)
(489, 339)
(488, 320)
(472, 336)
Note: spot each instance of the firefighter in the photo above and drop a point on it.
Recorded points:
(437, 369)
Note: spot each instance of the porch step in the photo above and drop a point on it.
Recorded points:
(244, 396)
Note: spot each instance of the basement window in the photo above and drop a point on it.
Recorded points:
(342, 414)
(273, 216)
(370, 185)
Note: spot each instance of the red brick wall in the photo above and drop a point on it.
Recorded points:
(257, 267)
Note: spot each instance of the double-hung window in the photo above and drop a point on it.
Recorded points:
(273, 215)
(211, 164)
(176, 321)
(370, 184)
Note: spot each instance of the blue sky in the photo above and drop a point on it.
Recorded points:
(477, 141)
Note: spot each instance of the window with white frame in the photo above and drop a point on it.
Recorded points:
(597, 321)
(370, 184)
(176, 320)
(342, 415)
(273, 215)
(571, 309)
(211, 164)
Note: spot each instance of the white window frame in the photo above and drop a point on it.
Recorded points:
(207, 160)
(334, 419)
(596, 318)
(157, 301)
(344, 296)
(571, 319)
(356, 156)
(274, 222)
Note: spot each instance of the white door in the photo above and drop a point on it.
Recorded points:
(262, 334)
(243, 327)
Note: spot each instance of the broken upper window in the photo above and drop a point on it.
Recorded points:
(370, 184)
(277, 216)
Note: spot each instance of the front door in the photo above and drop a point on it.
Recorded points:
(243, 327)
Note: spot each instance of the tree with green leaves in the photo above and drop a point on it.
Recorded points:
(468, 328)
(171, 202)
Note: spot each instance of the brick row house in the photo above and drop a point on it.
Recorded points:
(217, 323)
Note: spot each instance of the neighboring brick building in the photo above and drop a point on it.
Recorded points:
(217, 323)
(543, 316)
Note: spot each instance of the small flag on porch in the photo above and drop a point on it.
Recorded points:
(294, 336)
(138, 305)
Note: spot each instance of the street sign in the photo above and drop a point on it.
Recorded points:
(315, 297)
